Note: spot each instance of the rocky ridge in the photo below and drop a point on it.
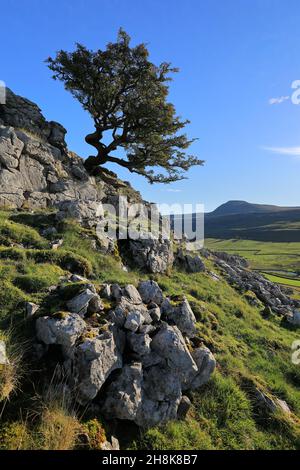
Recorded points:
(274, 298)
(37, 171)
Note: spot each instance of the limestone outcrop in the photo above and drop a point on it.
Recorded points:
(136, 365)
(272, 296)
(38, 171)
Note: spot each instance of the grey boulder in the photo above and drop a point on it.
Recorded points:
(150, 292)
(169, 344)
(62, 331)
(294, 319)
(151, 253)
(80, 303)
(94, 360)
(133, 321)
(31, 308)
(191, 264)
(124, 394)
(132, 294)
(270, 404)
(161, 397)
(206, 364)
(182, 315)
(139, 343)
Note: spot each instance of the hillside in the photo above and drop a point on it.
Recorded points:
(245, 221)
(133, 343)
(243, 207)
(252, 352)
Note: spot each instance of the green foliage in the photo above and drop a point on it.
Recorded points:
(176, 435)
(16, 254)
(15, 436)
(126, 96)
(11, 299)
(95, 432)
(38, 277)
(65, 259)
(227, 412)
(12, 232)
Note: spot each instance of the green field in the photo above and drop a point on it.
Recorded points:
(278, 262)
(283, 280)
(263, 256)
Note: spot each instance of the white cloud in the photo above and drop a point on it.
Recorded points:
(290, 151)
(170, 190)
(278, 100)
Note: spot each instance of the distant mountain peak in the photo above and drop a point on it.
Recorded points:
(244, 207)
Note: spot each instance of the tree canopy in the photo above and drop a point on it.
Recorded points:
(126, 96)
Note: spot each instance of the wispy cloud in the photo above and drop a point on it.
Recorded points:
(290, 151)
(171, 190)
(278, 100)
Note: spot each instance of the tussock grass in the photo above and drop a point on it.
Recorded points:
(11, 374)
(50, 425)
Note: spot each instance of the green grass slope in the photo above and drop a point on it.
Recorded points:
(250, 351)
(273, 226)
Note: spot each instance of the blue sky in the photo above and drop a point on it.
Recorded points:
(234, 56)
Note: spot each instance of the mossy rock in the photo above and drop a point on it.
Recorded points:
(60, 315)
(70, 290)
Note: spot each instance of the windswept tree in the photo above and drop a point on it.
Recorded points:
(126, 96)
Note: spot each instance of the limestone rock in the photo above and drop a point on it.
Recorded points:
(10, 148)
(182, 315)
(80, 303)
(132, 294)
(113, 445)
(94, 360)
(246, 281)
(161, 397)
(153, 254)
(31, 308)
(63, 331)
(106, 291)
(169, 344)
(206, 364)
(21, 113)
(150, 292)
(124, 395)
(184, 406)
(126, 311)
(77, 278)
(191, 264)
(155, 313)
(116, 291)
(133, 321)
(95, 305)
(271, 404)
(139, 343)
